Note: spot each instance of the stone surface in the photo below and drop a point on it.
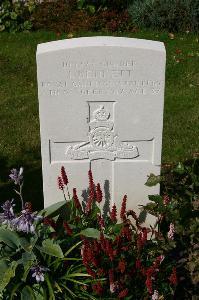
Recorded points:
(101, 107)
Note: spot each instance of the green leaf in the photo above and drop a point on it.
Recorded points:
(14, 291)
(50, 288)
(27, 261)
(50, 248)
(6, 273)
(117, 228)
(153, 180)
(79, 275)
(91, 9)
(80, 4)
(91, 232)
(40, 293)
(13, 16)
(72, 248)
(155, 198)
(180, 169)
(95, 211)
(27, 293)
(54, 209)
(9, 237)
(2, 27)
(26, 256)
(26, 245)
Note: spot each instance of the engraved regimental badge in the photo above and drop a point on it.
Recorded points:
(102, 142)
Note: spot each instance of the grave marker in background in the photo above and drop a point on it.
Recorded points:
(101, 107)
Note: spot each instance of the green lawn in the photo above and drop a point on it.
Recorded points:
(19, 130)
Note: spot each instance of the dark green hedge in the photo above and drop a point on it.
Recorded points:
(172, 15)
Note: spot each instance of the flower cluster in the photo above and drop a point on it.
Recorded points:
(16, 176)
(108, 257)
(173, 277)
(38, 273)
(62, 182)
(24, 222)
(8, 214)
(95, 194)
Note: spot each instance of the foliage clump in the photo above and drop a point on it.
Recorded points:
(77, 250)
(172, 15)
(16, 15)
(71, 16)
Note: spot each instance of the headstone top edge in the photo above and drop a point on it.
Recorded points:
(98, 41)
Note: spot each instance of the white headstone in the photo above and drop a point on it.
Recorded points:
(101, 107)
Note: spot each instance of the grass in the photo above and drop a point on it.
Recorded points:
(19, 130)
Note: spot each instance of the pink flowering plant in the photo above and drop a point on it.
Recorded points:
(80, 250)
(124, 258)
(177, 212)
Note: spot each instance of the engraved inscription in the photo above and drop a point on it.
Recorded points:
(102, 141)
(94, 64)
(104, 78)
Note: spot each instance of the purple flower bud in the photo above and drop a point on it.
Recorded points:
(25, 221)
(38, 273)
(8, 214)
(16, 176)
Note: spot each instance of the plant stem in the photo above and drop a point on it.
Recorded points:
(20, 194)
(68, 193)
(64, 195)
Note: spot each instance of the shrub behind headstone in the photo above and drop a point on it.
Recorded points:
(16, 15)
(173, 15)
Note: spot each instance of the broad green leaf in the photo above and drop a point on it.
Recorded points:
(14, 291)
(155, 198)
(26, 245)
(27, 293)
(26, 256)
(53, 210)
(91, 232)
(27, 261)
(9, 237)
(153, 180)
(6, 273)
(51, 248)
(40, 293)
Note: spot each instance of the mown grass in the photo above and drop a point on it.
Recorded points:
(19, 130)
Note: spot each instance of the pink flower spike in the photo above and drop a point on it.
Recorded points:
(76, 200)
(113, 214)
(64, 176)
(60, 183)
(166, 200)
(171, 232)
(98, 193)
(123, 208)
